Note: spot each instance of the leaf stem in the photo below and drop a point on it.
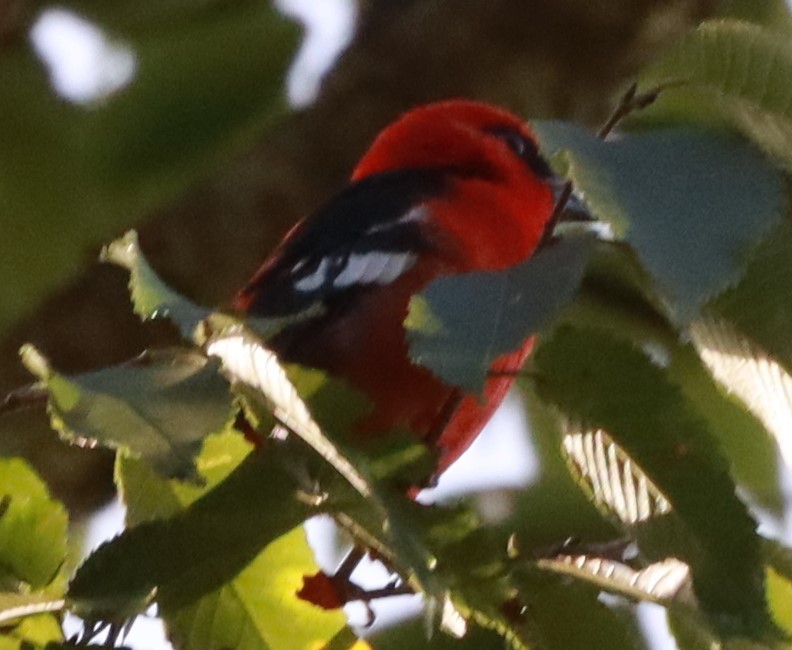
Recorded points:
(630, 102)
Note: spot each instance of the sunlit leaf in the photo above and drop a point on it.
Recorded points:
(33, 528)
(259, 609)
(33, 632)
(616, 483)
(744, 369)
(248, 362)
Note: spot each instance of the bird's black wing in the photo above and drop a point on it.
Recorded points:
(368, 234)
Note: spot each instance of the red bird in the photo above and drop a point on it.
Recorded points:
(451, 187)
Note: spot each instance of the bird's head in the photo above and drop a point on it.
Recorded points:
(465, 137)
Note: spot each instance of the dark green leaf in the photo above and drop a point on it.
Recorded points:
(553, 509)
(757, 305)
(414, 635)
(692, 204)
(196, 551)
(160, 406)
(258, 606)
(614, 297)
(460, 324)
(607, 383)
(569, 616)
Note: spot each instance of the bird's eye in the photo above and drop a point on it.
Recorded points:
(515, 142)
(524, 148)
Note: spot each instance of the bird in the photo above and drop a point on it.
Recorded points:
(450, 187)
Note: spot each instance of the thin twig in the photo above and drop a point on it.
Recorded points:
(630, 101)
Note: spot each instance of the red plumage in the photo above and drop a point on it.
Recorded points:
(448, 188)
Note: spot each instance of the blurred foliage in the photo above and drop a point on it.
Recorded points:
(695, 194)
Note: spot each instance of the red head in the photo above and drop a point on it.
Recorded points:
(500, 197)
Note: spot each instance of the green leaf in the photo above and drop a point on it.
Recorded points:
(33, 528)
(366, 491)
(34, 631)
(149, 496)
(607, 383)
(151, 297)
(554, 602)
(205, 86)
(552, 509)
(728, 73)
(757, 306)
(253, 608)
(460, 324)
(160, 406)
(693, 204)
(259, 609)
(614, 297)
(197, 550)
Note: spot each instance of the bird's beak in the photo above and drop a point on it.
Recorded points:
(574, 208)
(575, 217)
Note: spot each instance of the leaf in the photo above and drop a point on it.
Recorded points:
(570, 616)
(197, 550)
(260, 608)
(249, 363)
(614, 298)
(607, 383)
(364, 492)
(745, 370)
(460, 324)
(614, 480)
(773, 14)
(161, 406)
(732, 72)
(779, 597)
(151, 297)
(33, 528)
(658, 582)
(40, 631)
(253, 608)
(553, 508)
(205, 86)
(693, 204)
(757, 306)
